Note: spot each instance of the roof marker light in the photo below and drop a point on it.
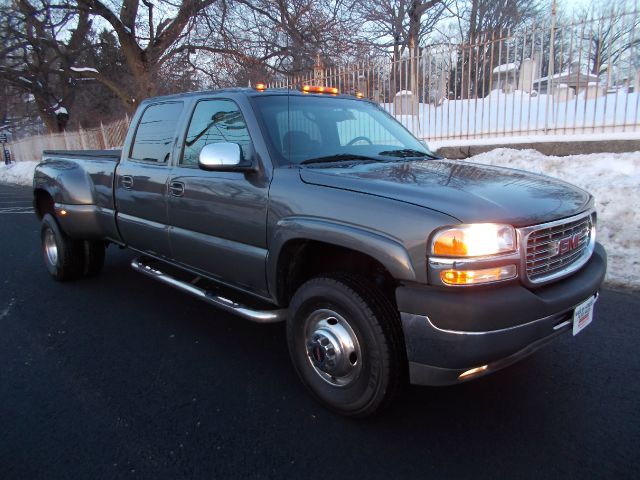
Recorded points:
(260, 87)
(319, 89)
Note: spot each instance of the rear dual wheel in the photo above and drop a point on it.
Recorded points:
(346, 344)
(67, 258)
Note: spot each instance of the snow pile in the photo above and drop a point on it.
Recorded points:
(507, 67)
(614, 180)
(20, 173)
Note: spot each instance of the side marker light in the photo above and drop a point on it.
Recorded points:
(473, 371)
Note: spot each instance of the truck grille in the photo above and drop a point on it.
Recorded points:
(558, 249)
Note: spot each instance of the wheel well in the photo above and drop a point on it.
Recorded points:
(43, 203)
(301, 260)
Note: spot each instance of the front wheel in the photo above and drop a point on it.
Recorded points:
(346, 344)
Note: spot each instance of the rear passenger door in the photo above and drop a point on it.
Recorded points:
(218, 219)
(142, 176)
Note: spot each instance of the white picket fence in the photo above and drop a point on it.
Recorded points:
(102, 138)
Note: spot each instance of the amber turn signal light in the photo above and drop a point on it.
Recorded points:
(474, 277)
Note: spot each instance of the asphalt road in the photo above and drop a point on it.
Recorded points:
(119, 376)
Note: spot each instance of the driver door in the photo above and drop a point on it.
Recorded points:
(218, 219)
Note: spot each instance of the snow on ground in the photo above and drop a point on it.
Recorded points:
(20, 173)
(501, 114)
(614, 180)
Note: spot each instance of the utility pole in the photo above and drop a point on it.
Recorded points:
(5, 150)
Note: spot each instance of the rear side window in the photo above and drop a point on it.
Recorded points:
(155, 133)
(215, 121)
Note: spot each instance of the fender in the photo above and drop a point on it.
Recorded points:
(65, 181)
(72, 186)
(386, 250)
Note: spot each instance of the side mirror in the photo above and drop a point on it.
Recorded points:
(222, 156)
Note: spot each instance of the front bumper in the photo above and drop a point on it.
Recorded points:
(450, 332)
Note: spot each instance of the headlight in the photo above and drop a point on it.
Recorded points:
(474, 240)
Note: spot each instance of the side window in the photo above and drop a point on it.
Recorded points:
(215, 121)
(155, 133)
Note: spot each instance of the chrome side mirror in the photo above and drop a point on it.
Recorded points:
(220, 156)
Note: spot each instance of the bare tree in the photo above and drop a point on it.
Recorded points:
(609, 37)
(40, 44)
(151, 36)
(487, 22)
(18, 113)
(287, 35)
(403, 24)
(486, 16)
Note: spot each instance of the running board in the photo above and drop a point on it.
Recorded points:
(259, 316)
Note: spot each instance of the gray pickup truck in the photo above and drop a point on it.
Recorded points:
(387, 263)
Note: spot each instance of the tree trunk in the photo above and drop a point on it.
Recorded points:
(47, 116)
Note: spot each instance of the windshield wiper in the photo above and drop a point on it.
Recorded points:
(408, 153)
(340, 157)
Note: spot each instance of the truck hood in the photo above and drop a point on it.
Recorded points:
(469, 192)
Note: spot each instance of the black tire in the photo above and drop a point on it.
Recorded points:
(352, 307)
(63, 256)
(93, 257)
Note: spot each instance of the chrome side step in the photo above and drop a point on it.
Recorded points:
(259, 316)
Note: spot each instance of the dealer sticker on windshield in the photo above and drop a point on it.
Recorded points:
(583, 315)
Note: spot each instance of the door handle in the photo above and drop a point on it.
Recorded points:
(176, 189)
(127, 182)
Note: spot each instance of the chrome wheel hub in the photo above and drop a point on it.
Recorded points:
(332, 347)
(50, 247)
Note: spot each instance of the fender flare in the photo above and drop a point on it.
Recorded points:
(77, 188)
(383, 248)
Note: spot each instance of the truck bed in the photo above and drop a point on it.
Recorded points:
(82, 181)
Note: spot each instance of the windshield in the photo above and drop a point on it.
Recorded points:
(310, 129)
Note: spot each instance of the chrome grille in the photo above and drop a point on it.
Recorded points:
(559, 249)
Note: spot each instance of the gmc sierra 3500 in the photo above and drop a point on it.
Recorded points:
(386, 262)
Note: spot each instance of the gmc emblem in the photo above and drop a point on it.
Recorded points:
(569, 243)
